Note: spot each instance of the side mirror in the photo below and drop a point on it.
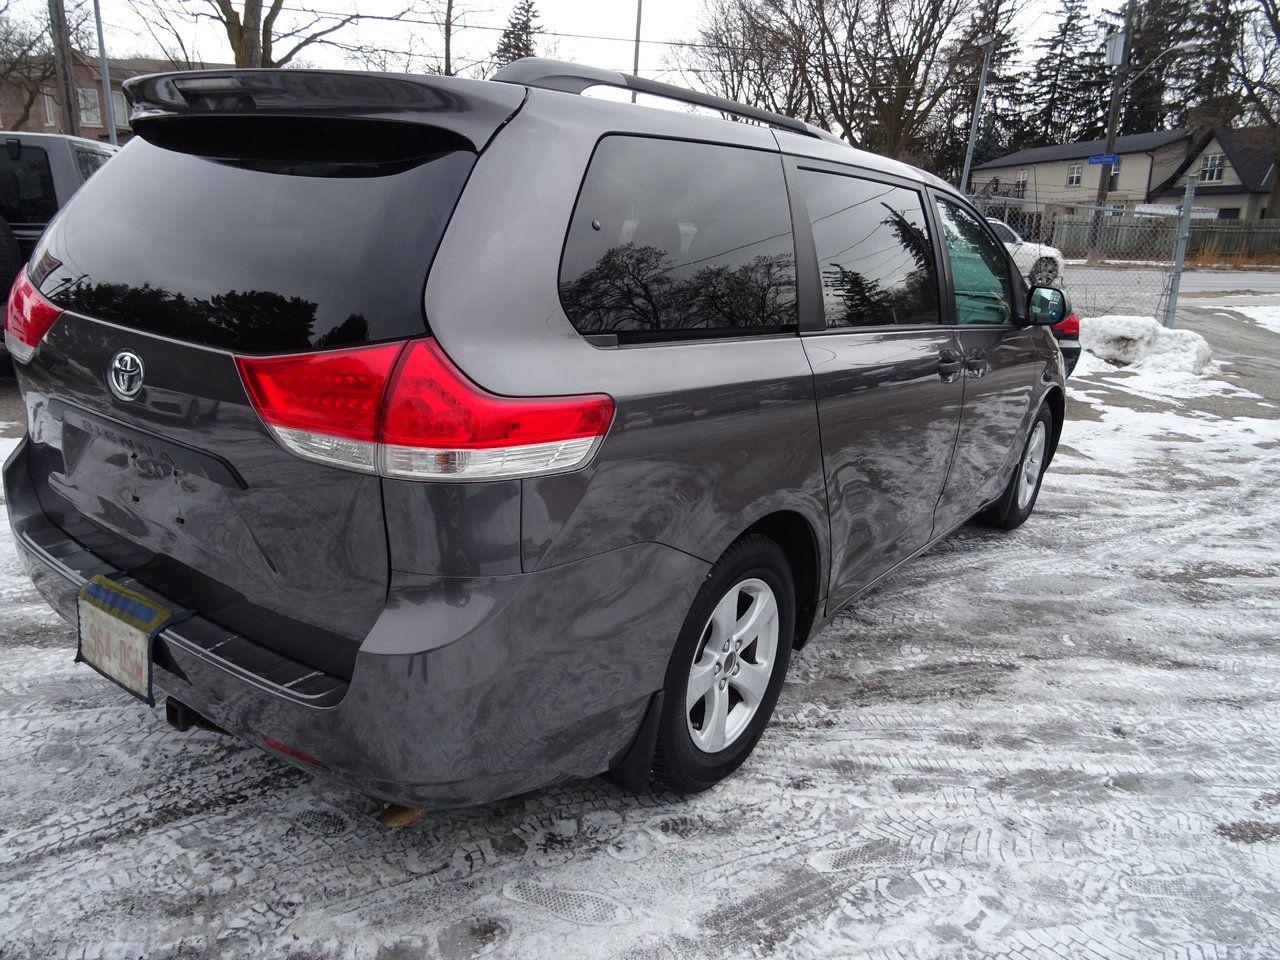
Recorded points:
(1047, 306)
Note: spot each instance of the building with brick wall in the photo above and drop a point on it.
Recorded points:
(38, 109)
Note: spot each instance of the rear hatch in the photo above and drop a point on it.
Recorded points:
(255, 214)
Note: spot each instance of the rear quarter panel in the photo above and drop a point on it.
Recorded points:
(708, 436)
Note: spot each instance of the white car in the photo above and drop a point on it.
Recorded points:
(1040, 263)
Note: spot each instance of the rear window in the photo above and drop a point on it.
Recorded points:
(294, 243)
(26, 186)
(674, 239)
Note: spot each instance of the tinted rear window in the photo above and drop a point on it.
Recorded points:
(274, 252)
(874, 253)
(89, 161)
(674, 239)
(26, 187)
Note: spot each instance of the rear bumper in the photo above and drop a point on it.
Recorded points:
(465, 690)
(1070, 354)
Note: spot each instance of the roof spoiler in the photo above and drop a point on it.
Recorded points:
(574, 78)
(471, 109)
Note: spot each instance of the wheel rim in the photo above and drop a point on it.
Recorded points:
(732, 665)
(1044, 272)
(1032, 462)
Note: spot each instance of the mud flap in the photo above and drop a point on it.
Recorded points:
(632, 770)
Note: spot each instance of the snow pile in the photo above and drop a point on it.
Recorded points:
(1142, 343)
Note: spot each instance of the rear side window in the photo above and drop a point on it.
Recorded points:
(321, 238)
(88, 161)
(874, 253)
(26, 186)
(672, 239)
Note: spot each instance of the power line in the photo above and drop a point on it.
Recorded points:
(541, 31)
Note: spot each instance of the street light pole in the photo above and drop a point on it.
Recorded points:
(109, 105)
(1118, 87)
(988, 45)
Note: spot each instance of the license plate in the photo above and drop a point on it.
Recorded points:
(117, 628)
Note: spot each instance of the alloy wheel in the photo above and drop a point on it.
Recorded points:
(1032, 464)
(732, 665)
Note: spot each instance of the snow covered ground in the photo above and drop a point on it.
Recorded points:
(1266, 316)
(1060, 742)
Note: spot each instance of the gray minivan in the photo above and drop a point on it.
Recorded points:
(450, 438)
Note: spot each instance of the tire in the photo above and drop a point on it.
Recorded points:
(1019, 497)
(1044, 272)
(693, 750)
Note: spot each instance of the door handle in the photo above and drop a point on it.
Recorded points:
(949, 365)
(975, 365)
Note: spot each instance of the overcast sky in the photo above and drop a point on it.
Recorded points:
(579, 22)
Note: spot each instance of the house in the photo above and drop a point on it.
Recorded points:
(37, 108)
(1235, 171)
(1055, 179)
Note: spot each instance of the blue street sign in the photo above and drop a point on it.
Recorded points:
(1104, 158)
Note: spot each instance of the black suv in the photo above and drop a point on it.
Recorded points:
(450, 438)
(38, 174)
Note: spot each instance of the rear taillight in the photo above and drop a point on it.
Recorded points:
(27, 318)
(404, 410)
(323, 406)
(1069, 327)
(437, 424)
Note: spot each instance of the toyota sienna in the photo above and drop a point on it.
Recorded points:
(451, 438)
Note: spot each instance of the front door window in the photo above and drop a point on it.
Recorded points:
(979, 268)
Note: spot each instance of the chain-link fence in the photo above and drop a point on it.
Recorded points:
(1109, 261)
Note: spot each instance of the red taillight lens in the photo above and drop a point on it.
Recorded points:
(431, 404)
(27, 318)
(338, 393)
(404, 410)
(323, 406)
(1069, 326)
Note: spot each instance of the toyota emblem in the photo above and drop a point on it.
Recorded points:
(124, 375)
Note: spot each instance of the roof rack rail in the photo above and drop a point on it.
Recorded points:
(575, 77)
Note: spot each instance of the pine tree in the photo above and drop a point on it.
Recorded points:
(1208, 85)
(517, 39)
(1150, 103)
(1066, 89)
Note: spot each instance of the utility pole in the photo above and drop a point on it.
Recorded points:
(108, 104)
(448, 38)
(1118, 87)
(62, 67)
(635, 65)
(988, 45)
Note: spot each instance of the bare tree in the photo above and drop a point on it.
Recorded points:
(426, 42)
(26, 53)
(26, 60)
(875, 71)
(1258, 65)
(260, 33)
(886, 65)
(757, 53)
